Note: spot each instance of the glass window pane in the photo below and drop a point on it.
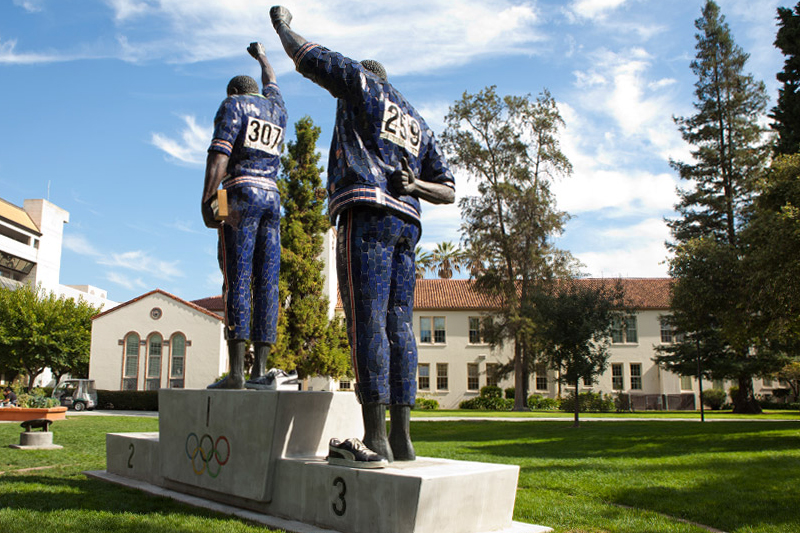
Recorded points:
(472, 376)
(424, 372)
(438, 327)
(441, 376)
(425, 332)
(154, 357)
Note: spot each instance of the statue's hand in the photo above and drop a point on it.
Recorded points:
(278, 15)
(403, 180)
(256, 50)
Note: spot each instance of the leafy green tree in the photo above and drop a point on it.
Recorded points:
(39, 330)
(709, 294)
(791, 374)
(446, 258)
(576, 320)
(771, 244)
(786, 114)
(510, 146)
(307, 341)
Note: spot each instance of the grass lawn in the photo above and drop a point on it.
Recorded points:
(607, 476)
(655, 415)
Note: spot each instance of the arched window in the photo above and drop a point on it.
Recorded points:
(178, 356)
(130, 370)
(154, 346)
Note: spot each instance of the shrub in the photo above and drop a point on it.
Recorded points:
(128, 400)
(732, 392)
(540, 403)
(426, 404)
(491, 391)
(486, 403)
(592, 402)
(714, 398)
(622, 402)
(783, 406)
(510, 392)
(36, 399)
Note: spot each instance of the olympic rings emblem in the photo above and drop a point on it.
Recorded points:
(204, 452)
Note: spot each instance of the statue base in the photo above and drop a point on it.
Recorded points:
(262, 453)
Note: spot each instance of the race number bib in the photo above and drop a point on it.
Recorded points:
(264, 136)
(400, 128)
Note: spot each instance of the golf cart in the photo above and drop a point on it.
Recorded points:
(78, 394)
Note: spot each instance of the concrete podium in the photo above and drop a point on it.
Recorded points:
(264, 451)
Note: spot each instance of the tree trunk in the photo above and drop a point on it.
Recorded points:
(519, 376)
(577, 422)
(745, 401)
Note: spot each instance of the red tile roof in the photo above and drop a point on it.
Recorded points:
(458, 294)
(168, 295)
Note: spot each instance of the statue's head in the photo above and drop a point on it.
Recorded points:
(242, 85)
(374, 67)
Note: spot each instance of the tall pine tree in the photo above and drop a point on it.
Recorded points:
(786, 115)
(708, 294)
(307, 341)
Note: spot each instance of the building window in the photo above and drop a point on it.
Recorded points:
(541, 377)
(668, 334)
(130, 374)
(475, 336)
(492, 374)
(431, 330)
(766, 382)
(718, 384)
(441, 376)
(154, 346)
(617, 381)
(686, 383)
(178, 356)
(345, 384)
(624, 331)
(424, 373)
(636, 376)
(473, 383)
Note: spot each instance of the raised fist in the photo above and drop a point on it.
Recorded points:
(278, 15)
(256, 50)
(403, 180)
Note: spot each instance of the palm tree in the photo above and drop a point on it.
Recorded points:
(422, 261)
(445, 258)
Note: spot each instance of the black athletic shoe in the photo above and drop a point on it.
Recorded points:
(354, 454)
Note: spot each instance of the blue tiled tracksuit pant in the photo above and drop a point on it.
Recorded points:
(250, 256)
(375, 267)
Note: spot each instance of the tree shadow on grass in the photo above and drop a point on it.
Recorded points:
(93, 503)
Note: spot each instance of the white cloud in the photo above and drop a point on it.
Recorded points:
(621, 193)
(140, 261)
(125, 281)
(593, 9)
(80, 245)
(31, 6)
(9, 55)
(193, 143)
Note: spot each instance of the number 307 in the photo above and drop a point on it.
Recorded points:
(264, 136)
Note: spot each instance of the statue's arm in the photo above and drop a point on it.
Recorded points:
(216, 167)
(291, 41)
(259, 54)
(405, 182)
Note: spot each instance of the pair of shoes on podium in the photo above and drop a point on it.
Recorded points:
(353, 453)
(275, 379)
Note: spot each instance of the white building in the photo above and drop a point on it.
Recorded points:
(157, 341)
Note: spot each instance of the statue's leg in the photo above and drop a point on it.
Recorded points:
(402, 344)
(374, 415)
(266, 267)
(364, 237)
(235, 378)
(400, 435)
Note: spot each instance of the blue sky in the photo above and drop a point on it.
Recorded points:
(109, 105)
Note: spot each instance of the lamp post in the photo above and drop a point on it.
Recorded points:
(700, 381)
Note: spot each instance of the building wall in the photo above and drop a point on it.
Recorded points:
(205, 359)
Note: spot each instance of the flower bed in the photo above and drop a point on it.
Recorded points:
(21, 414)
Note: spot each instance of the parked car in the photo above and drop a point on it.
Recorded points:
(78, 394)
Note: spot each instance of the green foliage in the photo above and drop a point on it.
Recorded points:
(39, 330)
(537, 402)
(307, 341)
(510, 392)
(426, 404)
(445, 258)
(714, 398)
(487, 403)
(786, 114)
(709, 300)
(622, 402)
(492, 391)
(591, 402)
(37, 398)
(128, 400)
(510, 146)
